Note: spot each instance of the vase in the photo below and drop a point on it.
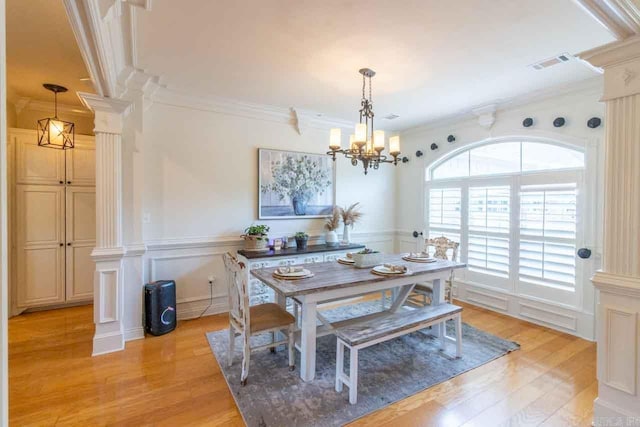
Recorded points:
(301, 244)
(346, 235)
(299, 205)
(331, 238)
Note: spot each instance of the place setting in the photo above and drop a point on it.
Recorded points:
(418, 257)
(346, 260)
(390, 270)
(292, 273)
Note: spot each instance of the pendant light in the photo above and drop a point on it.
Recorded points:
(53, 132)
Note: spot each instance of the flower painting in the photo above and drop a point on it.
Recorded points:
(295, 185)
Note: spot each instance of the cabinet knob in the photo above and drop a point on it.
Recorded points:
(61, 244)
(69, 244)
(61, 182)
(68, 182)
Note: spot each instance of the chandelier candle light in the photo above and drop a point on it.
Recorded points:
(367, 144)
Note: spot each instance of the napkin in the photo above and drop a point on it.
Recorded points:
(398, 268)
(418, 255)
(288, 269)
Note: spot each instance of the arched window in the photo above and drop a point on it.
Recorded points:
(507, 158)
(514, 206)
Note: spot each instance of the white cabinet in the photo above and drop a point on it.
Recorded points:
(40, 245)
(80, 241)
(80, 164)
(41, 165)
(37, 165)
(55, 221)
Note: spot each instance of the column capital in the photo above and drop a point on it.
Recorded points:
(109, 112)
(620, 62)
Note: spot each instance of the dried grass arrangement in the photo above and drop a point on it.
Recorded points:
(351, 215)
(333, 222)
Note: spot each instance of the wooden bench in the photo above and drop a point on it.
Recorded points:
(360, 335)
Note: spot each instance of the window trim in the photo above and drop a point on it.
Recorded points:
(499, 140)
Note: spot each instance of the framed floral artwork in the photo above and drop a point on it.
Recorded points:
(295, 185)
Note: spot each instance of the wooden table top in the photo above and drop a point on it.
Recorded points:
(333, 275)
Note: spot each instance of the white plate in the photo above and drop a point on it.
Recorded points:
(346, 260)
(384, 270)
(302, 273)
(416, 257)
(423, 260)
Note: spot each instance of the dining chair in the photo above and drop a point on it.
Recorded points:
(442, 246)
(246, 320)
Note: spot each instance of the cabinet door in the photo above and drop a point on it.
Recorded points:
(35, 164)
(40, 244)
(81, 239)
(81, 164)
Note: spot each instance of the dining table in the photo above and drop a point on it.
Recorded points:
(333, 281)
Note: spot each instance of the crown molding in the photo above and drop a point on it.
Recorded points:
(26, 103)
(298, 118)
(613, 54)
(593, 85)
(106, 32)
(620, 17)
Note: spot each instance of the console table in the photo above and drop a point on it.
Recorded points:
(258, 292)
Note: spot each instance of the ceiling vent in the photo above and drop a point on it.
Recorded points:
(549, 62)
(391, 117)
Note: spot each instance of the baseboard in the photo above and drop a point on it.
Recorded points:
(609, 414)
(107, 343)
(194, 309)
(134, 334)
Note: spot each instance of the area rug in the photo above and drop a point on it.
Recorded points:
(388, 372)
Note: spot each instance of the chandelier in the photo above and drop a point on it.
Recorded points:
(53, 132)
(367, 144)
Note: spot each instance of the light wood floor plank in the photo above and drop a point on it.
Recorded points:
(55, 381)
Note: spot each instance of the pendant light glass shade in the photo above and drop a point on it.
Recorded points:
(53, 132)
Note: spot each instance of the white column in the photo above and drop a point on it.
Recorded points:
(618, 283)
(108, 302)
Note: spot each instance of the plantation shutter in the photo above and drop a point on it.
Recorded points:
(548, 234)
(488, 247)
(444, 212)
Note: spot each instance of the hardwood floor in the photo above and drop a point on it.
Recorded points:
(175, 380)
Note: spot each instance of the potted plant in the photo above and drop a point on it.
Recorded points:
(350, 216)
(367, 258)
(298, 178)
(331, 225)
(301, 240)
(255, 238)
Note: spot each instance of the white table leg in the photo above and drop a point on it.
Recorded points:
(281, 300)
(438, 298)
(308, 342)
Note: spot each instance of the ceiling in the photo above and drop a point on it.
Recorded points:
(41, 48)
(434, 58)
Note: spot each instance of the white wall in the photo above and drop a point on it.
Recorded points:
(201, 192)
(202, 175)
(576, 108)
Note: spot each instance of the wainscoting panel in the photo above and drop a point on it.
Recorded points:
(621, 336)
(556, 316)
(108, 282)
(486, 298)
(547, 315)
